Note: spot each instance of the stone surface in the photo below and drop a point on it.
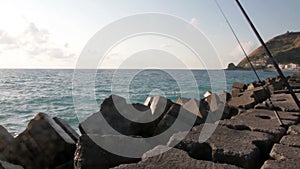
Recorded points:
(173, 158)
(184, 119)
(239, 85)
(245, 100)
(245, 149)
(284, 152)
(262, 121)
(111, 120)
(295, 129)
(285, 102)
(44, 143)
(198, 107)
(280, 164)
(159, 105)
(7, 145)
(90, 155)
(291, 140)
(7, 165)
(67, 128)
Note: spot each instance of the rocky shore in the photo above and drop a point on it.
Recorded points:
(247, 133)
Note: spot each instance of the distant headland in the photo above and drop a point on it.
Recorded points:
(285, 49)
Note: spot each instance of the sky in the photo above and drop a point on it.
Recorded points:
(53, 33)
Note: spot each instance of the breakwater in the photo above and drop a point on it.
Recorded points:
(246, 133)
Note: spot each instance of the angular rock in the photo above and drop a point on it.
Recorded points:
(198, 107)
(241, 148)
(90, 155)
(235, 92)
(291, 140)
(245, 101)
(280, 164)
(7, 165)
(159, 105)
(67, 128)
(182, 100)
(239, 85)
(262, 121)
(285, 102)
(111, 120)
(295, 129)
(184, 119)
(284, 152)
(173, 158)
(44, 143)
(7, 145)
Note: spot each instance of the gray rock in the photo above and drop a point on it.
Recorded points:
(239, 85)
(90, 155)
(173, 158)
(295, 129)
(139, 120)
(67, 128)
(198, 107)
(235, 92)
(284, 152)
(262, 121)
(291, 140)
(7, 165)
(245, 101)
(241, 148)
(159, 105)
(280, 164)
(45, 143)
(285, 102)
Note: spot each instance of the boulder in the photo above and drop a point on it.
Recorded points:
(111, 120)
(182, 100)
(295, 129)
(245, 101)
(8, 147)
(262, 121)
(291, 140)
(159, 105)
(285, 102)
(280, 164)
(7, 165)
(173, 158)
(45, 144)
(67, 128)
(90, 155)
(239, 85)
(235, 92)
(199, 107)
(285, 152)
(184, 118)
(241, 148)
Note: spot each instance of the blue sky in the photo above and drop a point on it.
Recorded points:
(52, 34)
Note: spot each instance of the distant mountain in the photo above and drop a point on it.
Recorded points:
(285, 49)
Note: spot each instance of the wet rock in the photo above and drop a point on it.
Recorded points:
(295, 129)
(173, 158)
(291, 140)
(280, 164)
(262, 121)
(44, 143)
(7, 165)
(284, 152)
(241, 148)
(89, 155)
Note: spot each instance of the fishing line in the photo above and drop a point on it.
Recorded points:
(249, 61)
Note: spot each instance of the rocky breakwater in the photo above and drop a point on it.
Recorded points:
(241, 128)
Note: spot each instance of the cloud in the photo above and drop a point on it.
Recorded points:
(237, 52)
(195, 22)
(36, 43)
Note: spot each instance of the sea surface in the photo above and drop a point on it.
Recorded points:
(74, 95)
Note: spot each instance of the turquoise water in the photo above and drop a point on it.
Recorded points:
(23, 93)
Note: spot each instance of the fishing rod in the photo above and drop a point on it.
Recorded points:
(269, 55)
(249, 61)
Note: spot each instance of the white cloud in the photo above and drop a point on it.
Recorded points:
(195, 22)
(36, 43)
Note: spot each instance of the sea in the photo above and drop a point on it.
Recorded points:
(73, 95)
